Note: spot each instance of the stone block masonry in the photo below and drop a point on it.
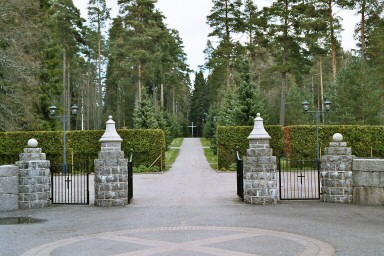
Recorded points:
(111, 170)
(368, 181)
(260, 175)
(336, 172)
(34, 179)
(9, 187)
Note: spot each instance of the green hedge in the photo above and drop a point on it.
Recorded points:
(84, 145)
(299, 141)
(228, 137)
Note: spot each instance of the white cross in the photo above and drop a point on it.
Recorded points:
(192, 126)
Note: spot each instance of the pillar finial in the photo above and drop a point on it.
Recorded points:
(259, 132)
(110, 134)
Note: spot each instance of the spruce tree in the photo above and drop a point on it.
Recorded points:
(199, 103)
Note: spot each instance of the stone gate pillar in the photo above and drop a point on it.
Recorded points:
(111, 170)
(260, 176)
(34, 178)
(336, 172)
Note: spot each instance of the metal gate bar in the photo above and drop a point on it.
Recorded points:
(130, 177)
(299, 179)
(240, 181)
(70, 184)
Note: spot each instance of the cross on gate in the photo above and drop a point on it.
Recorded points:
(67, 180)
(301, 176)
(192, 126)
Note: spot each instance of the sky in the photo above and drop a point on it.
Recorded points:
(189, 18)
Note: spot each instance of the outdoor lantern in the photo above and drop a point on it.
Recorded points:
(305, 105)
(327, 105)
(74, 109)
(52, 110)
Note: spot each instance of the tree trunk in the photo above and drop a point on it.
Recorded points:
(284, 73)
(228, 44)
(99, 89)
(162, 96)
(174, 101)
(363, 7)
(283, 98)
(333, 41)
(139, 96)
(321, 101)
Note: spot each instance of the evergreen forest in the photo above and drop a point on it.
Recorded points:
(134, 66)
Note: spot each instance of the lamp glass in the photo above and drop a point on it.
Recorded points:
(52, 110)
(305, 105)
(327, 105)
(74, 109)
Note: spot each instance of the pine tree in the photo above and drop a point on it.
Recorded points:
(224, 20)
(67, 29)
(20, 37)
(98, 15)
(358, 91)
(144, 27)
(145, 58)
(288, 44)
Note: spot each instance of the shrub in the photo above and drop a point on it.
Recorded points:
(230, 137)
(299, 141)
(148, 145)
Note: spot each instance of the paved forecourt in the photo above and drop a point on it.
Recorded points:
(194, 210)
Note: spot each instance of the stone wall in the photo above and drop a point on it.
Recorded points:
(368, 181)
(9, 187)
(34, 179)
(336, 172)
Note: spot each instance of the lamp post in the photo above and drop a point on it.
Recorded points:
(327, 107)
(74, 110)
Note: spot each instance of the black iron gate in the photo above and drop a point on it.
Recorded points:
(70, 184)
(130, 177)
(299, 179)
(240, 181)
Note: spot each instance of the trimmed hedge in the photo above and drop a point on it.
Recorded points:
(299, 141)
(84, 145)
(228, 137)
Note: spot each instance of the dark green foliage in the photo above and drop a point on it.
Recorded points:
(199, 104)
(85, 145)
(228, 137)
(299, 141)
(243, 103)
(357, 95)
(147, 117)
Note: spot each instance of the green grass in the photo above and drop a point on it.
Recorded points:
(177, 142)
(172, 153)
(209, 153)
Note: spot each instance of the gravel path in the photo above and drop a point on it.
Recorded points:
(190, 181)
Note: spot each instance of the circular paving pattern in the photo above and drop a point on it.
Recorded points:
(193, 240)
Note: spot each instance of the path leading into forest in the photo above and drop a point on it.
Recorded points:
(194, 210)
(190, 181)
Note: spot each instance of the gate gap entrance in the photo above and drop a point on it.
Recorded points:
(299, 179)
(70, 184)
